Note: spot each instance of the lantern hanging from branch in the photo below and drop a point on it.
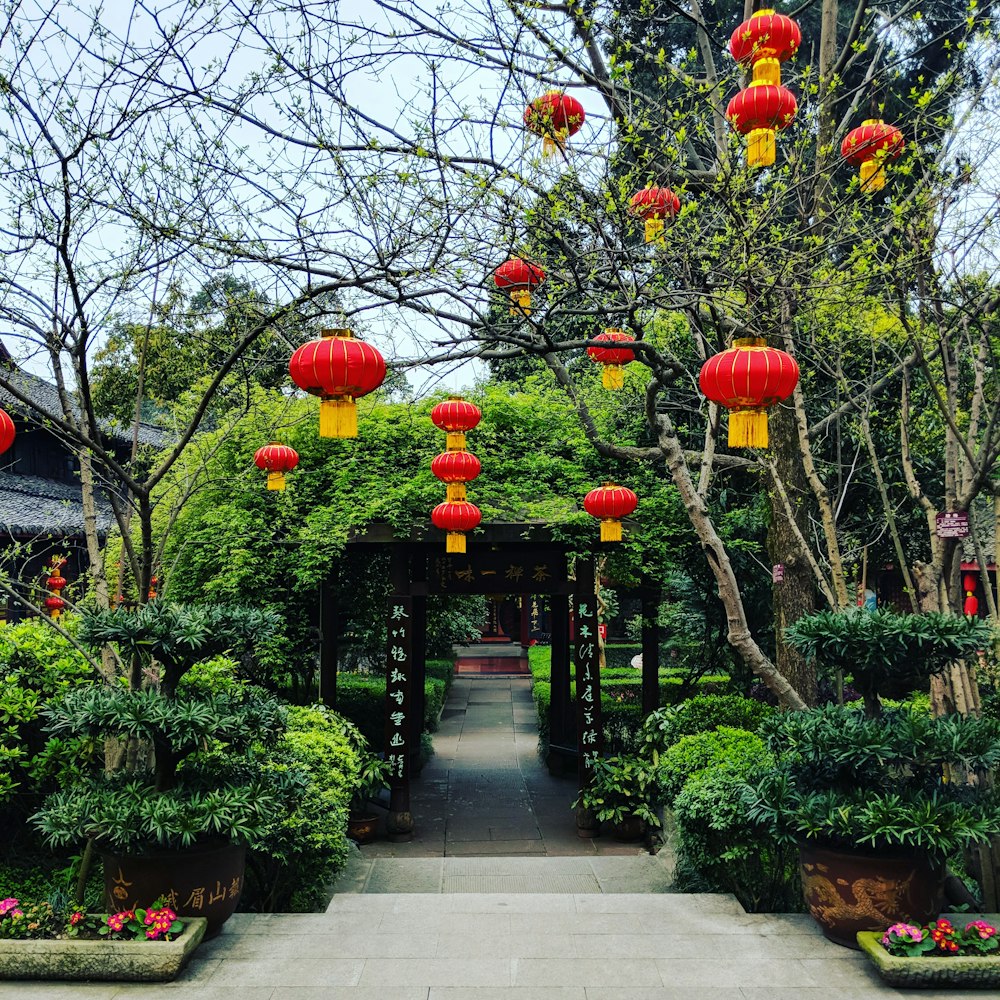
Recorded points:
(456, 517)
(54, 583)
(455, 469)
(870, 146)
(456, 416)
(338, 368)
(758, 112)
(610, 503)
(746, 379)
(554, 116)
(54, 604)
(653, 205)
(518, 278)
(971, 605)
(276, 459)
(613, 358)
(7, 433)
(764, 42)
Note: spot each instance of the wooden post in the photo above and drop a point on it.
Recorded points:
(650, 598)
(329, 634)
(560, 719)
(589, 728)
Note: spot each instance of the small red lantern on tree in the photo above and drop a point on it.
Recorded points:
(338, 368)
(276, 459)
(55, 582)
(613, 358)
(7, 433)
(456, 416)
(55, 605)
(456, 468)
(765, 41)
(870, 146)
(554, 116)
(456, 517)
(746, 379)
(971, 604)
(758, 112)
(518, 278)
(610, 503)
(653, 205)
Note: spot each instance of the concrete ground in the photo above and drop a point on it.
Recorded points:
(497, 899)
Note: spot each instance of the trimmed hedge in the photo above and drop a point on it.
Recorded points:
(691, 754)
(701, 714)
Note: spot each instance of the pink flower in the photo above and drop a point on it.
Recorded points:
(75, 918)
(982, 928)
(152, 934)
(904, 932)
(7, 904)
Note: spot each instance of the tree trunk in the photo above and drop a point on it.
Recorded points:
(795, 595)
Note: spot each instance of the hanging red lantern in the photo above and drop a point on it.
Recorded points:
(653, 205)
(456, 468)
(151, 593)
(610, 503)
(55, 605)
(870, 146)
(7, 432)
(758, 112)
(518, 278)
(276, 459)
(765, 41)
(456, 517)
(971, 605)
(613, 358)
(456, 416)
(746, 379)
(56, 581)
(339, 369)
(554, 116)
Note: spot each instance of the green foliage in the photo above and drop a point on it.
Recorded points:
(724, 746)
(622, 788)
(880, 783)
(361, 698)
(23, 921)
(700, 714)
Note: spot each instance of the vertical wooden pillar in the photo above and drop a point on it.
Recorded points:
(650, 597)
(589, 728)
(398, 696)
(328, 635)
(560, 717)
(418, 574)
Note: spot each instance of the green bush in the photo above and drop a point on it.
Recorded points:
(361, 698)
(722, 747)
(701, 714)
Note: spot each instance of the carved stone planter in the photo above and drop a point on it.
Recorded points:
(110, 961)
(964, 972)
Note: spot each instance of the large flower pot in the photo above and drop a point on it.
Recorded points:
(849, 891)
(196, 882)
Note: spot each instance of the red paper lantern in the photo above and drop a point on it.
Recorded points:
(654, 204)
(456, 416)
(55, 605)
(55, 582)
(151, 593)
(746, 379)
(610, 503)
(7, 433)
(765, 41)
(554, 116)
(456, 517)
(456, 468)
(758, 112)
(339, 369)
(518, 277)
(613, 358)
(870, 146)
(276, 459)
(969, 584)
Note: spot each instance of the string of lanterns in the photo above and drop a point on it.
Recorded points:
(456, 467)
(55, 582)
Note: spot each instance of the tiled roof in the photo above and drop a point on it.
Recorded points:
(33, 506)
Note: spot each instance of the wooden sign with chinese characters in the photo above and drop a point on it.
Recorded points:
(397, 689)
(541, 571)
(588, 687)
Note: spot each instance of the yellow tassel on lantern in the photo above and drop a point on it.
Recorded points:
(338, 418)
(455, 441)
(613, 377)
(873, 173)
(455, 542)
(551, 144)
(748, 429)
(520, 302)
(654, 231)
(767, 71)
(55, 613)
(611, 530)
(456, 491)
(275, 480)
(762, 147)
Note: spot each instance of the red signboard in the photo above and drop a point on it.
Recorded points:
(952, 524)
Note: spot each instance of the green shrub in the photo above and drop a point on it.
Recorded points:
(361, 698)
(701, 714)
(722, 747)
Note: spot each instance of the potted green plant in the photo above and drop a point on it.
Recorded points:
(372, 777)
(878, 798)
(625, 793)
(169, 814)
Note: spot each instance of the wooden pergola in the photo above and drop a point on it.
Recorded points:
(511, 558)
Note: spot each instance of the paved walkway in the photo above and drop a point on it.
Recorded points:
(497, 899)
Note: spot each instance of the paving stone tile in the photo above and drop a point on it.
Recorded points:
(467, 972)
(664, 993)
(482, 924)
(837, 993)
(586, 972)
(345, 993)
(514, 945)
(58, 991)
(520, 883)
(290, 972)
(509, 993)
(476, 848)
(356, 945)
(850, 970)
(191, 991)
(679, 972)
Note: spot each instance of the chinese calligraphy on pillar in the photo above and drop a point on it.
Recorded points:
(588, 687)
(397, 689)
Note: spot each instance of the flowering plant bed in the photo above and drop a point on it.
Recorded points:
(938, 954)
(141, 945)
